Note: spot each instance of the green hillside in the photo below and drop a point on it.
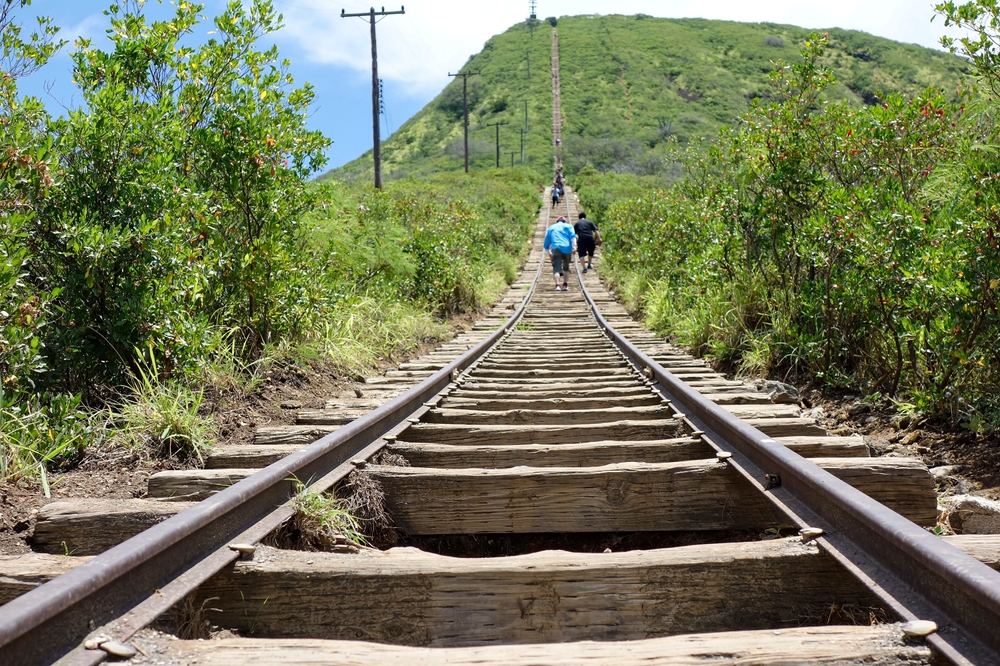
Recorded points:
(630, 83)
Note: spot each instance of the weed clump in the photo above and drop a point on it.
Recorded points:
(162, 417)
(366, 500)
(322, 522)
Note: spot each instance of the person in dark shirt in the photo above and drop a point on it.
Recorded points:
(587, 239)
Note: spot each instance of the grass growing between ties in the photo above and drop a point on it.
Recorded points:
(322, 522)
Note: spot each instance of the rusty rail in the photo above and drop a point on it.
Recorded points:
(914, 572)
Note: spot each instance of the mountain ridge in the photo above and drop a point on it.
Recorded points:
(630, 84)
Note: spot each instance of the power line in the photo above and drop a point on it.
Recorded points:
(376, 87)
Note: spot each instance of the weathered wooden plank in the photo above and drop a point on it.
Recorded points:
(518, 365)
(983, 547)
(252, 456)
(192, 485)
(828, 446)
(391, 383)
(763, 411)
(644, 399)
(507, 355)
(685, 495)
(416, 375)
(293, 434)
(424, 366)
(547, 417)
(525, 385)
(406, 596)
(717, 382)
(579, 391)
(787, 427)
(555, 372)
(23, 573)
(626, 497)
(444, 433)
(367, 403)
(91, 526)
(328, 416)
(905, 485)
(819, 646)
(545, 347)
(692, 375)
(739, 398)
(590, 454)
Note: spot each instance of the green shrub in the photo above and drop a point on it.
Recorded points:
(813, 236)
(171, 213)
(41, 433)
(162, 417)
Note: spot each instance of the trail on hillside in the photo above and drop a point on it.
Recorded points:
(557, 121)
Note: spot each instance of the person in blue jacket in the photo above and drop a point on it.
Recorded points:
(560, 243)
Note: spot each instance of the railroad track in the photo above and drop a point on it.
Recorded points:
(632, 508)
(569, 489)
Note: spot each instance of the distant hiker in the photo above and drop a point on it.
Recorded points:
(555, 194)
(587, 239)
(560, 242)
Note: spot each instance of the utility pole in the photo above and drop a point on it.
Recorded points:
(512, 153)
(377, 140)
(497, 125)
(524, 132)
(465, 109)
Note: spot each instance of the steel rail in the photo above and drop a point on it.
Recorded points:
(916, 573)
(179, 553)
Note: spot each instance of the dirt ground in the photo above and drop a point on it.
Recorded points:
(114, 473)
(963, 463)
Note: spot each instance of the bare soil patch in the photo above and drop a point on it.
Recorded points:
(974, 460)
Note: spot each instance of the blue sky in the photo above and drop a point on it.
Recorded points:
(418, 49)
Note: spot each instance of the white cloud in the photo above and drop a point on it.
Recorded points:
(92, 27)
(416, 50)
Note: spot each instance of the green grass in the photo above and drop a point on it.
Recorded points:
(320, 518)
(363, 329)
(162, 417)
(40, 434)
(630, 84)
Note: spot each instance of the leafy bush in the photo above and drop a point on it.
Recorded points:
(819, 237)
(180, 184)
(41, 433)
(171, 214)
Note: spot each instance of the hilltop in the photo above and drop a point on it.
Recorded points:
(631, 83)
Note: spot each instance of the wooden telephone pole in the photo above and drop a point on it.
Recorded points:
(377, 144)
(497, 125)
(465, 109)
